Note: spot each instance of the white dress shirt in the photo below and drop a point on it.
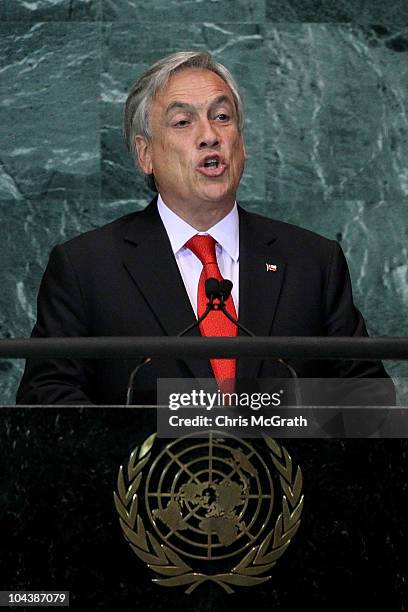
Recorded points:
(226, 235)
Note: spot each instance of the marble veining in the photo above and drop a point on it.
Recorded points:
(326, 132)
(241, 11)
(338, 11)
(50, 10)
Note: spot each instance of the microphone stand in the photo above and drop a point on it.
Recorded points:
(212, 292)
(129, 393)
(225, 291)
(220, 290)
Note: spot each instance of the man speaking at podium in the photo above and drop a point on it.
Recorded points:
(144, 274)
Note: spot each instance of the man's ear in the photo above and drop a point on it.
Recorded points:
(143, 150)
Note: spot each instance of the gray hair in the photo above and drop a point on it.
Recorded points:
(140, 98)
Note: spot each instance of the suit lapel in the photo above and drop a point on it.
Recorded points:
(149, 259)
(261, 274)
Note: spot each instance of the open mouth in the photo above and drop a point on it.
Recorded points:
(212, 165)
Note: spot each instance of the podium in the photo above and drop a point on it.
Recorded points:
(60, 529)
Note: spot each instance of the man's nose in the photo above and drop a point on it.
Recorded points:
(208, 135)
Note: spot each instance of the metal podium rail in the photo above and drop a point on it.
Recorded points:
(261, 346)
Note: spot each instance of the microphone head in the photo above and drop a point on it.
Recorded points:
(212, 288)
(225, 288)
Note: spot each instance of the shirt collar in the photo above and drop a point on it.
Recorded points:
(225, 232)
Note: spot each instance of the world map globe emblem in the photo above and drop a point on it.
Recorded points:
(201, 509)
(209, 497)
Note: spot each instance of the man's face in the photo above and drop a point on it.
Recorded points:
(196, 152)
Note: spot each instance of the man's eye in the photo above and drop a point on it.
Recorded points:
(223, 117)
(181, 123)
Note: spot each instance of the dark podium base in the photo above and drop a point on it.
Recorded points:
(59, 528)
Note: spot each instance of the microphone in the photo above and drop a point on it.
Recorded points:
(224, 292)
(221, 290)
(216, 290)
(129, 392)
(212, 291)
(225, 289)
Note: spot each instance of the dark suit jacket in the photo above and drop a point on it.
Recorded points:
(123, 280)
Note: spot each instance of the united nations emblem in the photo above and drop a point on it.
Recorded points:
(216, 509)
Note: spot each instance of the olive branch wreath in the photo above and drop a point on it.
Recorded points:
(172, 569)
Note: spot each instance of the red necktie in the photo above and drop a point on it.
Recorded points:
(215, 323)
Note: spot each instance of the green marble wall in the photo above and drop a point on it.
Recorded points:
(325, 84)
